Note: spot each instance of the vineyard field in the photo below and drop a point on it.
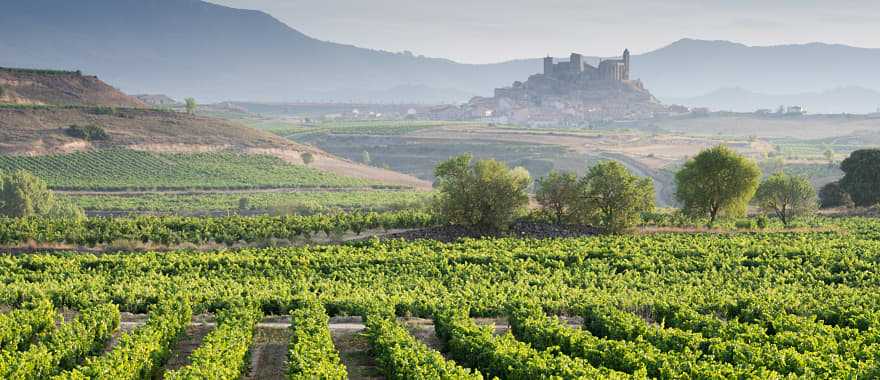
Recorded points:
(122, 169)
(304, 202)
(756, 305)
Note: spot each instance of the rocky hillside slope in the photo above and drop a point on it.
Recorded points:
(60, 88)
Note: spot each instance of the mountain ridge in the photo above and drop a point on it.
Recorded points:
(192, 48)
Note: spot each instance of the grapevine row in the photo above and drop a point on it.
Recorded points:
(176, 230)
(141, 353)
(18, 327)
(529, 324)
(403, 357)
(223, 353)
(312, 354)
(505, 357)
(65, 347)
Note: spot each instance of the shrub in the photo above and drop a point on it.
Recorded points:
(486, 194)
(612, 198)
(89, 132)
(191, 105)
(832, 195)
(307, 158)
(787, 197)
(762, 222)
(716, 182)
(744, 224)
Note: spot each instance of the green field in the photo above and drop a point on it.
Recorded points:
(121, 169)
(303, 202)
(725, 306)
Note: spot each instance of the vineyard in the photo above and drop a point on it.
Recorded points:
(174, 230)
(757, 305)
(304, 202)
(122, 169)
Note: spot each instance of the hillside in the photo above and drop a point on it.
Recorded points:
(29, 130)
(62, 88)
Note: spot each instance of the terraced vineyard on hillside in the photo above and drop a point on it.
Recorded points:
(668, 306)
(122, 169)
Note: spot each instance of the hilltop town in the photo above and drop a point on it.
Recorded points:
(567, 92)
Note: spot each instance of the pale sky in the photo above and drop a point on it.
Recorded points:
(484, 31)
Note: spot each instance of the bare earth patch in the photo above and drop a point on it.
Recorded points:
(354, 349)
(269, 350)
(423, 330)
(189, 342)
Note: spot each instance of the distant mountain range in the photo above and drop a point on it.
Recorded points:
(192, 48)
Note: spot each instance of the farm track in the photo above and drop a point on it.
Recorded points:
(191, 340)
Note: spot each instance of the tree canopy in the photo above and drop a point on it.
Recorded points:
(861, 179)
(787, 197)
(486, 194)
(557, 193)
(191, 105)
(24, 195)
(832, 195)
(612, 198)
(716, 182)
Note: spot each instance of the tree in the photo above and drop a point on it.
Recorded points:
(612, 198)
(861, 179)
(787, 197)
(716, 182)
(831, 196)
(191, 105)
(307, 157)
(24, 195)
(557, 193)
(365, 157)
(486, 195)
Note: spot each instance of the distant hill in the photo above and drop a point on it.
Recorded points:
(690, 68)
(839, 100)
(192, 48)
(60, 88)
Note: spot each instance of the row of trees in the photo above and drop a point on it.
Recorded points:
(489, 196)
(718, 182)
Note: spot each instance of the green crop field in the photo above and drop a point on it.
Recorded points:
(309, 202)
(121, 169)
(670, 306)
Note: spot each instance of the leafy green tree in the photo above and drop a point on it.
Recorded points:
(486, 194)
(861, 179)
(832, 195)
(191, 105)
(788, 197)
(612, 198)
(307, 158)
(24, 195)
(716, 182)
(557, 193)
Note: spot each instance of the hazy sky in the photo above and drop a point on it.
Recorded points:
(480, 31)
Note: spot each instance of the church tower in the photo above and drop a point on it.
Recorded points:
(625, 74)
